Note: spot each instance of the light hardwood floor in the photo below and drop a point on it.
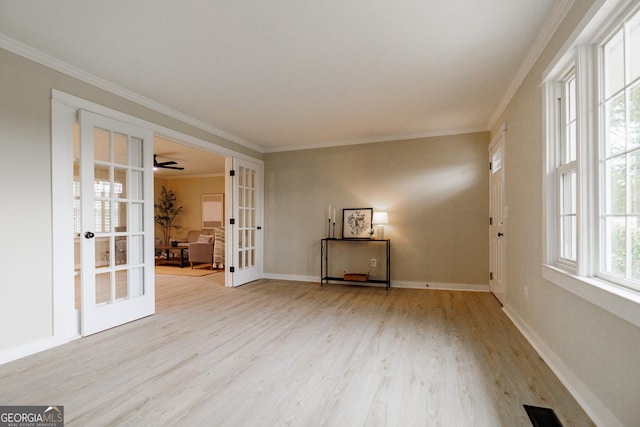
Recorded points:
(290, 353)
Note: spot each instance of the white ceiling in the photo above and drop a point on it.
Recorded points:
(278, 75)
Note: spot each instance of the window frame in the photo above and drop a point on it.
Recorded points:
(582, 277)
(604, 101)
(566, 166)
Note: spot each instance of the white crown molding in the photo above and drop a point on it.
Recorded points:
(49, 61)
(387, 138)
(544, 35)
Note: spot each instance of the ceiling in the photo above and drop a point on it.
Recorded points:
(280, 75)
(195, 162)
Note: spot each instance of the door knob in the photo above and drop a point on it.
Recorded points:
(500, 234)
(89, 235)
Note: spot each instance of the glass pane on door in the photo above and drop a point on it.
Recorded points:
(136, 250)
(122, 286)
(102, 252)
(121, 250)
(120, 183)
(101, 145)
(136, 282)
(121, 151)
(103, 288)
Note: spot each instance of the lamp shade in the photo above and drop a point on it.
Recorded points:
(380, 218)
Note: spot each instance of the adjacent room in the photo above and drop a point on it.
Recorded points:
(189, 193)
(321, 213)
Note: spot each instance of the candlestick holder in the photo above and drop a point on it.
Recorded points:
(334, 230)
(329, 229)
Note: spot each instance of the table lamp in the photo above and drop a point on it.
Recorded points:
(380, 218)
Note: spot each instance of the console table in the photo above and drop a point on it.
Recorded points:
(326, 246)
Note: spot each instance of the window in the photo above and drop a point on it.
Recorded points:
(620, 112)
(592, 187)
(567, 173)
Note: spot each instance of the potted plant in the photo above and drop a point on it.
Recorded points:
(167, 211)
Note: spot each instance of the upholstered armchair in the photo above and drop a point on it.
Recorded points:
(201, 251)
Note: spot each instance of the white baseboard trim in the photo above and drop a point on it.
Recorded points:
(394, 284)
(593, 406)
(440, 286)
(15, 353)
(291, 277)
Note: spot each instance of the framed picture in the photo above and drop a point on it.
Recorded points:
(356, 223)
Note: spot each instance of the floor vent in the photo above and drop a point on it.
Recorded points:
(542, 417)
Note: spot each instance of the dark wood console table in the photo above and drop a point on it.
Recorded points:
(353, 245)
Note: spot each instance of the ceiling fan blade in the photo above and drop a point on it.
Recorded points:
(165, 165)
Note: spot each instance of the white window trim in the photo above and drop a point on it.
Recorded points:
(560, 169)
(581, 281)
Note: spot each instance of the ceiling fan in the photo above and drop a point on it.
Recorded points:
(165, 165)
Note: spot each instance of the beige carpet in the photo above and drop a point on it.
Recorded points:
(197, 271)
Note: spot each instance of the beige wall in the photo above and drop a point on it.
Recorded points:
(189, 193)
(599, 349)
(25, 191)
(435, 190)
(25, 218)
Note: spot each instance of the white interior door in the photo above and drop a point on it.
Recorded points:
(246, 227)
(497, 214)
(116, 170)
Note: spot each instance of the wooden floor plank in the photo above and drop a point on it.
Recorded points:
(292, 353)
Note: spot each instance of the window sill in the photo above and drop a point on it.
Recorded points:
(617, 300)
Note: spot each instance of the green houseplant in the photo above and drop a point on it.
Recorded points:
(166, 213)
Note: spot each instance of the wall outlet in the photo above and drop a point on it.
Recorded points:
(374, 262)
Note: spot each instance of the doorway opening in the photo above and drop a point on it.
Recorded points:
(190, 231)
(120, 150)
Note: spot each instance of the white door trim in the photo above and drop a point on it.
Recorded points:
(65, 317)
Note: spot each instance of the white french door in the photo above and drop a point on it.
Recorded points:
(117, 274)
(246, 230)
(497, 219)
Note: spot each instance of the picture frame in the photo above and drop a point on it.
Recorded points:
(357, 223)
